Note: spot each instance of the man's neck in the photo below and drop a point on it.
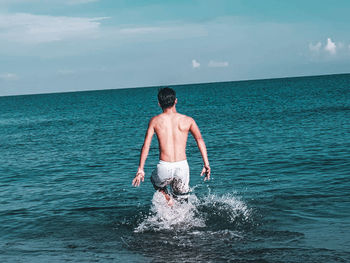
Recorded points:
(170, 110)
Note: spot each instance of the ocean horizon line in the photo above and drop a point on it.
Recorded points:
(178, 84)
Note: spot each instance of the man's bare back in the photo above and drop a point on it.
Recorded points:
(172, 130)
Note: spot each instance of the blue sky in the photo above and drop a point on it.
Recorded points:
(70, 45)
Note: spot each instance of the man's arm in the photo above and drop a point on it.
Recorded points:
(202, 148)
(140, 175)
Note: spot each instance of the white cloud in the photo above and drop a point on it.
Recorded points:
(195, 63)
(316, 47)
(8, 76)
(331, 46)
(25, 28)
(217, 64)
(29, 28)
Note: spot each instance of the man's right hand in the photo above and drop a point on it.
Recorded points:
(206, 171)
(140, 176)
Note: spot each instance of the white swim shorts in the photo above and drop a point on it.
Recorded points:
(175, 174)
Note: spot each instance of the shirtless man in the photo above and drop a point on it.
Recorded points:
(172, 130)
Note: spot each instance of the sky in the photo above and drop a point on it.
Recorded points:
(71, 45)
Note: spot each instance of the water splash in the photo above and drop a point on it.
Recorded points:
(228, 206)
(182, 215)
(193, 214)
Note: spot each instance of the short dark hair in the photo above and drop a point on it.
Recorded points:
(166, 97)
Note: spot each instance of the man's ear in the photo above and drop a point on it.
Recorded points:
(176, 101)
(159, 104)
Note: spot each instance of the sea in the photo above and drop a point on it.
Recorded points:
(279, 151)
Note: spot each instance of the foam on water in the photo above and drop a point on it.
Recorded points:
(192, 214)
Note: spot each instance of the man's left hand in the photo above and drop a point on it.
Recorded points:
(206, 171)
(140, 176)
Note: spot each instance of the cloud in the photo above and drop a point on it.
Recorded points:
(29, 28)
(217, 64)
(316, 47)
(25, 28)
(331, 47)
(8, 76)
(195, 63)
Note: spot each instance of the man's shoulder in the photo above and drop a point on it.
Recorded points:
(155, 119)
(186, 118)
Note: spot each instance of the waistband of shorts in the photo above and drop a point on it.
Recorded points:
(173, 163)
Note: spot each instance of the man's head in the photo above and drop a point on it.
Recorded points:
(166, 98)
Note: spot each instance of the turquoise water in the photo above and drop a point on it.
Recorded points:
(280, 157)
